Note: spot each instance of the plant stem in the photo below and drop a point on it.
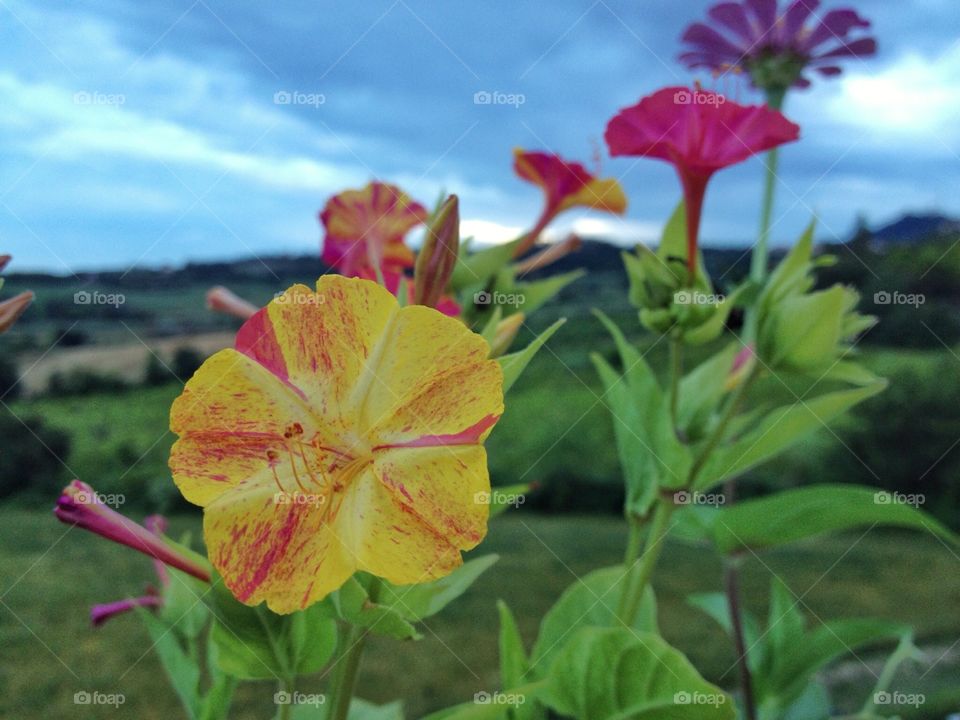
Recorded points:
(733, 404)
(346, 678)
(731, 582)
(634, 541)
(759, 259)
(286, 686)
(676, 371)
(639, 575)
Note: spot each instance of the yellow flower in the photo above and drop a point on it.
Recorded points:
(342, 433)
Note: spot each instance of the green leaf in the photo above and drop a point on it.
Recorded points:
(215, 704)
(504, 497)
(538, 293)
(780, 429)
(715, 606)
(792, 671)
(181, 670)
(416, 602)
(490, 329)
(514, 664)
(515, 363)
(803, 513)
(785, 622)
(475, 269)
(701, 391)
(590, 602)
(484, 708)
(607, 674)
(364, 710)
(254, 643)
(354, 605)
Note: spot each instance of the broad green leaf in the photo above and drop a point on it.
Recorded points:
(613, 673)
(254, 643)
(701, 391)
(798, 514)
(590, 602)
(780, 429)
(416, 602)
(785, 621)
(515, 363)
(490, 706)
(354, 605)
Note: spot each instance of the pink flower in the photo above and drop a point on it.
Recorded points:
(699, 133)
(775, 47)
(79, 504)
(99, 614)
(565, 185)
(365, 229)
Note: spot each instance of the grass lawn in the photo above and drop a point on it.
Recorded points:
(51, 574)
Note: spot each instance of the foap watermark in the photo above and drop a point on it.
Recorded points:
(495, 97)
(498, 298)
(282, 697)
(87, 97)
(298, 498)
(685, 497)
(898, 498)
(293, 298)
(499, 698)
(498, 497)
(687, 97)
(699, 698)
(297, 97)
(896, 697)
(97, 498)
(86, 697)
(695, 297)
(95, 297)
(884, 297)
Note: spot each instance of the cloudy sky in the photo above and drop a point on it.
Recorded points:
(152, 133)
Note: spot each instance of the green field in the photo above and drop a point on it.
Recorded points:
(52, 574)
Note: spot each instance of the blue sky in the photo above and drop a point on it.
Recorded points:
(151, 133)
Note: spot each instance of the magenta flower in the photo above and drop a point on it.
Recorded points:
(775, 47)
(79, 504)
(698, 132)
(99, 614)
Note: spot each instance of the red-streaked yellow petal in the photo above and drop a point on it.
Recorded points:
(387, 538)
(445, 486)
(282, 552)
(324, 343)
(433, 382)
(598, 194)
(231, 414)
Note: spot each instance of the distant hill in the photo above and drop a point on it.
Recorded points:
(914, 229)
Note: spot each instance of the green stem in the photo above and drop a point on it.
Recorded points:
(348, 667)
(634, 542)
(639, 575)
(676, 372)
(759, 259)
(286, 686)
(717, 436)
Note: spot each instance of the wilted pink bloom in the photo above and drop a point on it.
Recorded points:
(775, 47)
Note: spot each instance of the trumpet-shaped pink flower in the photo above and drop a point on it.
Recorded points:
(699, 133)
(774, 47)
(365, 229)
(565, 185)
(79, 504)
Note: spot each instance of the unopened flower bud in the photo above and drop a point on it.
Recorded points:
(438, 256)
(225, 301)
(12, 309)
(505, 334)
